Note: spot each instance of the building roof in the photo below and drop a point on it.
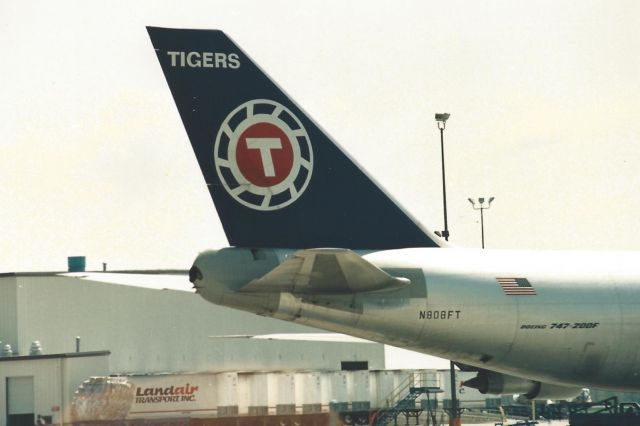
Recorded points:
(49, 356)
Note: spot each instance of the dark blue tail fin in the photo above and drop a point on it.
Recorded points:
(277, 180)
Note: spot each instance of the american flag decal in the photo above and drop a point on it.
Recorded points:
(516, 286)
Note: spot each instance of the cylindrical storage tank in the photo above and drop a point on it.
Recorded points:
(76, 263)
(227, 391)
(309, 392)
(360, 398)
(338, 391)
(286, 394)
(258, 394)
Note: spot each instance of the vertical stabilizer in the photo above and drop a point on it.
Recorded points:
(277, 180)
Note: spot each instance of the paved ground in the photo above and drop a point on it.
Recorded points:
(540, 423)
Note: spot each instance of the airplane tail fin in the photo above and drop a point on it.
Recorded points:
(276, 179)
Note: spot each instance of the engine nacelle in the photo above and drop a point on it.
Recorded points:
(217, 276)
(498, 384)
(555, 392)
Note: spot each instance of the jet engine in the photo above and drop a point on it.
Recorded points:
(498, 384)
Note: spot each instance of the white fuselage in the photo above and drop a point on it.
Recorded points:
(581, 328)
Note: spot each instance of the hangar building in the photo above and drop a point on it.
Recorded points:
(58, 330)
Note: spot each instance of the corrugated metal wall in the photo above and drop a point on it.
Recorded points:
(45, 376)
(8, 311)
(162, 330)
(54, 381)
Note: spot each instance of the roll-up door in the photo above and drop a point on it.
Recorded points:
(20, 401)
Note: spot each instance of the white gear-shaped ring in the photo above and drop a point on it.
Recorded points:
(263, 155)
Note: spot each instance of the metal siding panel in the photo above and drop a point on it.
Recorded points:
(309, 388)
(361, 385)
(43, 301)
(79, 369)
(259, 390)
(23, 315)
(226, 386)
(286, 389)
(46, 386)
(244, 383)
(134, 322)
(49, 388)
(8, 313)
(339, 389)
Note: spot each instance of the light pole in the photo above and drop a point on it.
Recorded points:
(481, 205)
(441, 119)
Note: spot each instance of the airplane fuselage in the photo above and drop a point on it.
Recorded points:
(578, 324)
(527, 321)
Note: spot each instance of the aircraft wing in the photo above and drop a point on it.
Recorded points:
(307, 337)
(152, 279)
(325, 271)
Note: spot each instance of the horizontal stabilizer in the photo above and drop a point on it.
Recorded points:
(305, 337)
(325, 271)
(173, 279)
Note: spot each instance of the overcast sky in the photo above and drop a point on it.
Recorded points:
(543, 95)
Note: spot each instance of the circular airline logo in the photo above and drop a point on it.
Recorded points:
(263, 155)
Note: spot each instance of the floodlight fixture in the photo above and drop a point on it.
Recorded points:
(442, 118)
(480, 205)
